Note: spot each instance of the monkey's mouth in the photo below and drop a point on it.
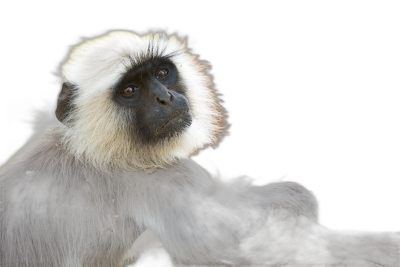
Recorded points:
(175, 123)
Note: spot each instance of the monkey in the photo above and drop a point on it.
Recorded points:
(116, 166)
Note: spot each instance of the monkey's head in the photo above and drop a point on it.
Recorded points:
(135, 101)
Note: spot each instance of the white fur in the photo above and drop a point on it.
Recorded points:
(96, 65)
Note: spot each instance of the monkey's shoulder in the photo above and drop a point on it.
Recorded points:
(185, 175)
(184, 167)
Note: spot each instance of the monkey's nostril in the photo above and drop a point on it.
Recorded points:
(161, 101)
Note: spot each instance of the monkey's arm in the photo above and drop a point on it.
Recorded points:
(146, 241)
(205, 224)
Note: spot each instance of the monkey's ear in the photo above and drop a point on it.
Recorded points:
(64, 103)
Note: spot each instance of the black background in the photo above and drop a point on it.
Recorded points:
(310, 92)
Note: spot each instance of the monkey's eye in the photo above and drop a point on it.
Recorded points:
(162, 73)
(130, 90)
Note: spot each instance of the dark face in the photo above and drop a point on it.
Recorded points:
(156, 99)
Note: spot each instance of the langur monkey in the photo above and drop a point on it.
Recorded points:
(131, 111)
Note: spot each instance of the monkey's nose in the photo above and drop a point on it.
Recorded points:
(164, 100)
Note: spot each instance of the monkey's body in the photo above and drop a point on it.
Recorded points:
(91, 218)
(134, 108)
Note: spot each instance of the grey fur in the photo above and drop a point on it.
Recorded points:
(56, 210)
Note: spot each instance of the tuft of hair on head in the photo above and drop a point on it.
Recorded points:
(96, 131)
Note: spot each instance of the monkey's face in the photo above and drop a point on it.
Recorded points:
(156, 100)
(137, 102)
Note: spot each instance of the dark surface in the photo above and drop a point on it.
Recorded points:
(310, 92)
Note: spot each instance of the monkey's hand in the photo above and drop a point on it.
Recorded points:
(293, 197)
